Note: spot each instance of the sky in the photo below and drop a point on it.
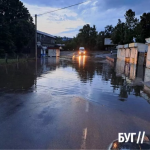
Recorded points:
(67, 22)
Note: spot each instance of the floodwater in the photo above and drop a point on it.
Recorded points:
(71, 104)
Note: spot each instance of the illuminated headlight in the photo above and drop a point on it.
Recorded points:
(79, 52)
(84, 52)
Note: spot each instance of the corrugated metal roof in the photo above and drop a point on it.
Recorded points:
(40, 32)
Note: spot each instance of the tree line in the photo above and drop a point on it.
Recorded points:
(16, 27)
(17, 30)
(132, 30)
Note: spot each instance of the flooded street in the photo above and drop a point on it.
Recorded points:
(71, 104)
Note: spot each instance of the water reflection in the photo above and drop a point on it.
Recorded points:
(82, 60)
(86, 68)
(23, 76)
(17, 76)
(82, 76)
(56, 102)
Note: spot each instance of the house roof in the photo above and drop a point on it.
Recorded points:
(40, 32)
(108, 41)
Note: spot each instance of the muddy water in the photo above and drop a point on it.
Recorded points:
(78, 103)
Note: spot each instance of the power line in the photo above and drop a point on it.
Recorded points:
(47, 13)
(62, 8)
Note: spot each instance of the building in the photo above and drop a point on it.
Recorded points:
(109, 44)
(53, 52)
(45, 41)
(148, 53)
(108, 41)
(133, 53)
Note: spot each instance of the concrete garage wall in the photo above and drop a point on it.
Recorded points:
(119, 52)
(53, 52)
(123, 53)
(135, 48)
(120, 67)
(147, 75)
(128, 52)
(140, 46)
(148, 57)
(127, 55)
(132, 71)
(127, 69)
(133, 56)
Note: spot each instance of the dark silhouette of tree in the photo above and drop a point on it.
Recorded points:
(118, 35)
(16, 26)
(108, 31)
(87, 37)
(143, 28)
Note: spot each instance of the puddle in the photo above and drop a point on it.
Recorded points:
(60, 103)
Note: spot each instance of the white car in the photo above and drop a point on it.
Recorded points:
(81, 50)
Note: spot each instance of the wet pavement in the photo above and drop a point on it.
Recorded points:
(70, 104)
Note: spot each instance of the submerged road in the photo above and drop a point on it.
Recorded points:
(67, 104)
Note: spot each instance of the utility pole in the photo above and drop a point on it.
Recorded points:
(36, 36)
(36, 50)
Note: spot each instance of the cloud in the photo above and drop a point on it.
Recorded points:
(95, 12)
(94, 3)
(56, 23)
(52, 3)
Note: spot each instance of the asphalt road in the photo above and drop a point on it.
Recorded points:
(69, 105)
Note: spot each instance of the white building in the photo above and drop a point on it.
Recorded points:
(53, 52)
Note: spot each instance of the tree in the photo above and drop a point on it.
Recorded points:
(59, 40)
(93, 37)
(87, 37)
(145, 26)
(118, 35)
(138, 33)
(108, 31)
(6, 42)
(100, 40)
(16, 25)
(125, 32)
(131, 23)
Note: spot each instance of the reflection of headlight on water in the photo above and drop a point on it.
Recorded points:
(82, 60)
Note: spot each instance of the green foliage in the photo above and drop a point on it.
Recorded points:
(108, 31)
(87, 37)
(131, 23)
(133, 28)
(100, 40)
(16, 26)
(118, 34)
(122, 33)
(144, 27)
(59, 40)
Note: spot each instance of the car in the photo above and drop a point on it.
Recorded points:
(82, 50)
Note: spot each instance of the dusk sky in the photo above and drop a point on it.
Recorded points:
(95, 12)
